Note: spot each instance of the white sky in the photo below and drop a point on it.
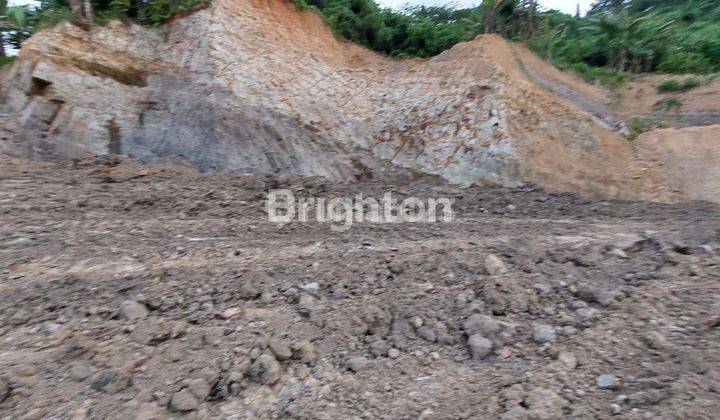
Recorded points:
(567, 6)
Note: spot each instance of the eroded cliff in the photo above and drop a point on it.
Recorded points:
(258, 86)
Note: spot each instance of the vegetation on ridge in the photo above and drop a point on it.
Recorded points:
(616, 37)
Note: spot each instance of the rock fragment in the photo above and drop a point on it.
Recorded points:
(427, 333)
(543, 334)
(304, 351)
(494, 265)
(357, 364)
(110, 381)
(567, 359)
(199, 388)
(280, 349)
(545, 404)
(265, 370)
(606, 381)
(132, 310)
(183, 401)
(480, 346)
(481, 324)
(80, 371)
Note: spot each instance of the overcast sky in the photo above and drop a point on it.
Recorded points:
(567, 6)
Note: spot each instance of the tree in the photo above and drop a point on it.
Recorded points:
(82, 11)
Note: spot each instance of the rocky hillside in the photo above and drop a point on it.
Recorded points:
(258, 86)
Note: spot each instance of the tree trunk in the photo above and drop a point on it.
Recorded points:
(82, 13)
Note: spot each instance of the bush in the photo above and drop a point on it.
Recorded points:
(684, 62)
(6, 61)
(605, 75)
(668, 104)
(640, 125)
(673, 85)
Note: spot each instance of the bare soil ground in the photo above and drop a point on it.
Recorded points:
(131, 291)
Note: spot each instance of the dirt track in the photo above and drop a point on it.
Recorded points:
(139, 292)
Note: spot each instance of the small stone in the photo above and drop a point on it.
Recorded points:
(312, 287)
(656, 340)
(494, 265)
(131, 310)
(110, 382)
(542, 288)
(151, 332)
(280, 349)
(606, 297)
(618, 253)
(606, 381)
(80, 371)
(199, 388)
(567, 359)
(544, 403)
(543, 334)
(265, 370)
(427, 333)
(183, 401)
(629, 242)
(480, 346)
(445, 338)
(26, 370)
(379, 348)
(416, 322)
(304, 351)
(251, 288)
(693, 360)
(34, 414)
(393, 353)
(515, 413)
(615, 409)
(231, 313)
(481, 324)
(356, 364)
(306, 304)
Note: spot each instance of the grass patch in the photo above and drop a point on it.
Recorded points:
(6, 61)
(668, 104)
(604, 75)
(673, 85)
(640, 125)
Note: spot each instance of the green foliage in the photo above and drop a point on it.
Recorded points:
(640, 125)
(4, 61)
(668, 104)
(616, 38)
(672, 85)
(606, 75)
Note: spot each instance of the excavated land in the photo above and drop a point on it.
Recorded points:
(260, 86)
(155, 291)
(140, 277)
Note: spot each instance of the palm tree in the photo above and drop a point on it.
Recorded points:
(626, 39)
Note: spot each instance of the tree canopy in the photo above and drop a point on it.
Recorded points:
(616, 37)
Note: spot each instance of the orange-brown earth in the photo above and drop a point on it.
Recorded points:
(258, 86)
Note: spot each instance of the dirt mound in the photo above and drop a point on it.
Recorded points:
(258, 86)
(151, 292)
(688, 159)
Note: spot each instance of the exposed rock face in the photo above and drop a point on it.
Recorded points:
(257, 86)
(688, 159)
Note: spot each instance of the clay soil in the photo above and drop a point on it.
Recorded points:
(131, 291)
